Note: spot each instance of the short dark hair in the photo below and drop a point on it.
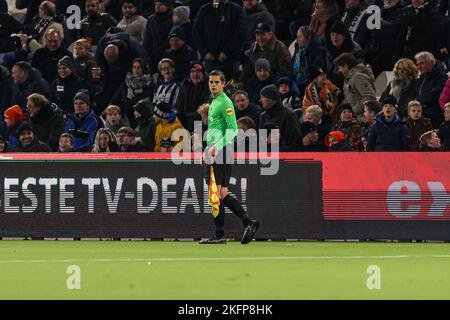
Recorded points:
(373, 106)
(25, 66)
(243, 92)
(218, 73)
(346, 59)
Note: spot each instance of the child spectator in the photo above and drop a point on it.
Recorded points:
(430, 142)
(66, 143)
(371, 109)
(335, 141)
(314, 114)
(4, 146)
(166, 145)
(169, 88)
(388, 133)
(128, 141)
(416, 124)
(113, 118)
(289, 96)
(83, 59)
(167, 123)
(13, 116)
(349, 126)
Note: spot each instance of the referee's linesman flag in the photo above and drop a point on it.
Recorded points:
(213, 194)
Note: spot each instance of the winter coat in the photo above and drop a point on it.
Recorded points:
(388, 136)
(327, 99)
(190, 98)
(63, 91)
(84, 130)
(253, 111)
(136, 146)
(34, 84)
(46, 62)
(220, 30)
(428, 88)
(35, 146)
(257, 14)
(156, 36)
(359, 84)
(287, 121)
(134, 26)
(342, 146)
(276, 53)
(164, 129)
(313, 55)
(407, 94)
(95, 27)
(352, 131)
(416, 129)
(444, 98)
(419, 31)
(182, 59)
(48, 125)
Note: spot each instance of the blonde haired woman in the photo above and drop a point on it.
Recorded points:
(105, 141)
(401, 87)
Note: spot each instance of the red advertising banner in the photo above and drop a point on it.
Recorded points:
(356, 186)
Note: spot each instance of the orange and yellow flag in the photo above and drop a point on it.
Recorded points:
(213, 194)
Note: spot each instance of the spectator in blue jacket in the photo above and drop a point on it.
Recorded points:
(388, 133)
(83, 123)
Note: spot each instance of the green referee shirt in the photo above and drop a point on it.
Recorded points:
(222, 124)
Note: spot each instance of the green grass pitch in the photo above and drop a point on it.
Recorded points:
(186, 270)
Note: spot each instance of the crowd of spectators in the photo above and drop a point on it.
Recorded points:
(131, 72)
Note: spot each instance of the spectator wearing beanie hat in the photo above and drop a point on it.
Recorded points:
(66, 85)
(388, 133)
(13, 117)
(180, 18)
(167, 122)
(132, 23)
(157, 31)
(289, 94)
(146, 125)
(336, 142)
(83, 123)
(324, 93)
(28, 141)
(179, 52)
(284, 118)
(349, 126)
(262, 78)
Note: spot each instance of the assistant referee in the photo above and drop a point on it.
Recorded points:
(222, 129)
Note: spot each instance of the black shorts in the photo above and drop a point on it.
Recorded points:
(222, 173)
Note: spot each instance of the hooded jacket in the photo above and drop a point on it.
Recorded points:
(359, 84)
(388, 136)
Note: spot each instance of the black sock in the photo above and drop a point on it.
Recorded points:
(219, 222)
(236, 207)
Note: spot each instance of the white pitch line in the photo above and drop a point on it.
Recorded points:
(193, 259)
